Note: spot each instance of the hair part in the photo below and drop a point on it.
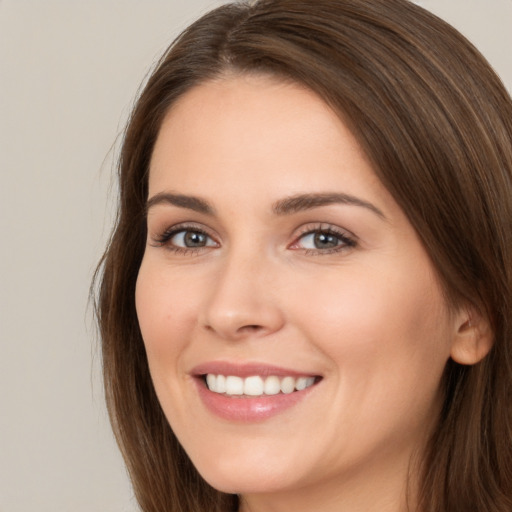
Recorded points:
(436, 123)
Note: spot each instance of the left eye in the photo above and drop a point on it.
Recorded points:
(189, 239)
(318, 240)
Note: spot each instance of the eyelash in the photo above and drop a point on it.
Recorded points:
(345, 241)
(164, 239)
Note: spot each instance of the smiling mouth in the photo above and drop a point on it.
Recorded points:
(256, 386)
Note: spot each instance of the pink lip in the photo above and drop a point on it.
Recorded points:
(246, 370)
(247, 409)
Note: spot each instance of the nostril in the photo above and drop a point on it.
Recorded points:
(250, 328)
(243, 328)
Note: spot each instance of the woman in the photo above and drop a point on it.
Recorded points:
(306, 301)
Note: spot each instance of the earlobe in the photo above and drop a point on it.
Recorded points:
(473, 339)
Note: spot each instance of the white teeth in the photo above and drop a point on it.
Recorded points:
(256, 385)
(288, 385)
(211, 382)
(220, 384)
(301, 383)
(234, 385)
(272, 386)
(253, 386)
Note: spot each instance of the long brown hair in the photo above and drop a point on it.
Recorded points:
(436, 122)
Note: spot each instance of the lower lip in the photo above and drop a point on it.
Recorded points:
(251, 409)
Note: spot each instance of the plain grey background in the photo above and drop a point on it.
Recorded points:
(69, 72)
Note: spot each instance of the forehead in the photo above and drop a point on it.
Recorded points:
(276, 136)
(261, 107)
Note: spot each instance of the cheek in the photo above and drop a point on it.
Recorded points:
(378, 308)
(165, 314)
(387, 335)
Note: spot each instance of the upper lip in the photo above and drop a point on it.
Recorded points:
(247, 369)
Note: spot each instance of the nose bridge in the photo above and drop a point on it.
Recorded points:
(242, 301)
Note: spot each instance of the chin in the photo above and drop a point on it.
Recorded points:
(227, 476)
(255, 484)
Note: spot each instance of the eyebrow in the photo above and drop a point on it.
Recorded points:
(286, 206)
(182, 201)
(301, 202)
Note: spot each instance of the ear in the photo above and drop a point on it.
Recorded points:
(474, 336)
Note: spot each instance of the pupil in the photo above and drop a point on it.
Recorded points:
(194, 239)
(325, 241)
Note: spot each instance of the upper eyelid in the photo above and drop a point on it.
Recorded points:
(164, 235)
(184, 226)
(324, 226)
(310, 227)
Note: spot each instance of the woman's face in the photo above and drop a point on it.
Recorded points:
(276, 259)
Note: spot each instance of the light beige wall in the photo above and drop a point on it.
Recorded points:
(487, 23)
(69, 71)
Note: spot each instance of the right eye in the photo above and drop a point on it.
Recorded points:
(185, 239)
(191, 239)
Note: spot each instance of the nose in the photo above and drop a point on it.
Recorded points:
(243, 301)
